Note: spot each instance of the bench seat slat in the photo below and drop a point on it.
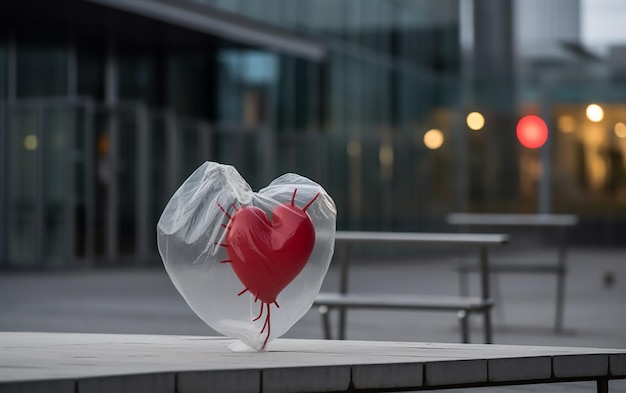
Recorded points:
(515, 220)
(513, 266)
(402, 301)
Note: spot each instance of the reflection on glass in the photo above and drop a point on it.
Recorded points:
(23, 191)
(433, 139)
(475, 121)
(620, 130)
(246, 78)
(354, 149)
(567, 124)
(595, 113)
(532, 131)
(385, 155)
(42, 70)
(30, 142)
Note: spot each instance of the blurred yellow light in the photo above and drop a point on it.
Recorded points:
(385, 155)
(354, 149)
(620, 130)
(433, 139)
(475, 121)
(595, 113)
(567, 124)
(30, 142)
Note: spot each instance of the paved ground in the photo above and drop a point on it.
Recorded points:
(144, 301)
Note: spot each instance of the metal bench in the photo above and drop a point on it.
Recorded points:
(558, 267)
(463, 305)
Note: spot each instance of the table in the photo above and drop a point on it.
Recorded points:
(559, 222)
(98, 363)
(342, 300)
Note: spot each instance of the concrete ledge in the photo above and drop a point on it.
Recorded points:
(63, 362)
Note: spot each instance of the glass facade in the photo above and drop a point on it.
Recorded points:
(98, 130)
(355, 122)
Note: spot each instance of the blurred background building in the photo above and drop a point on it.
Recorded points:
(403, 110)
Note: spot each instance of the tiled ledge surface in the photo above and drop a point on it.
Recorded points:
(86, 363)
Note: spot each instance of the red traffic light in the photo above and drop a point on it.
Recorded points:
(532, 131)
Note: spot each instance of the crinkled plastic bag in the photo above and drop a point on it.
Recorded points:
(249, 264)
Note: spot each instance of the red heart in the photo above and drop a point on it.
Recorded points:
(267, 254)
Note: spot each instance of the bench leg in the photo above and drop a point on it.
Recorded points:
(560, 299)
(484, 281)
(341, 335)
(497, 295)
(487, 327)
(560, 285)
(464, 290)
(602, 385)
(463, 282)
(464, 325)
(323, 310)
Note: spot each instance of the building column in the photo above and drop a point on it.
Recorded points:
(494, 86)
(111, 100)
(4, 142)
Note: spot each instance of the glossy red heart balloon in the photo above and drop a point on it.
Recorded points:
(266, 253)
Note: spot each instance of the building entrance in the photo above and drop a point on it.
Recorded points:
(85, 183)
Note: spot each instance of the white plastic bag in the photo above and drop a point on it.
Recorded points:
(249, 264)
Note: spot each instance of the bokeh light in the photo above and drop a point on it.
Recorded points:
(30, 142)
(354, 149)
(620, 130)
(567, 124)
(532, 131)
(595, 113)
(475, 121)
(433, 139)
(385, 155)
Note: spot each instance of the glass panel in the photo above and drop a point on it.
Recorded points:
(589, 162)
(230, 5)
(137, 78)
(41, 70)
(158, 170)
(126, 180)
(83, 157)
(90, 75)
(245, 85)
(240, 148)
(259, 74)
(189, 84)
(326, 17)
(39, 184)
(102, 179)
(286, 96)
(190, 148)
(24, 210)
(55, 149)
(3, 68)
(229, 109)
